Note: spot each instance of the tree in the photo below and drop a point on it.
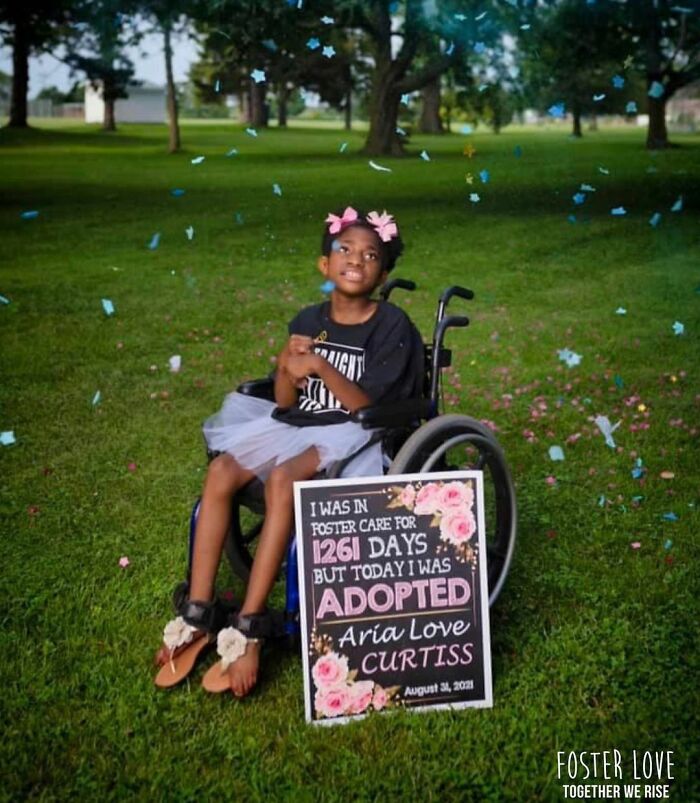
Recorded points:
(29, 27)
(169, 16)
(569, 54)
(665, 40)
(103, 29)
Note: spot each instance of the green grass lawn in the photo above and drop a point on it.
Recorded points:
(594, 642)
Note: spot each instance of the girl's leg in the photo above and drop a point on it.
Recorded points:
(279, 503)
(224, 477)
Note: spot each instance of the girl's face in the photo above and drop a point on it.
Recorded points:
(354, 264)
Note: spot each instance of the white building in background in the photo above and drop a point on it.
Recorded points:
(145, 104)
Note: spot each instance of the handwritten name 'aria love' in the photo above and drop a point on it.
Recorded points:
(437, 592)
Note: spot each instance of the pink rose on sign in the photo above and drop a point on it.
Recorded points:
(408, 496)
(379, 699)
(457, 526)
(360, 696)
(330, 671)
(427, 499)
(332, 702)
(455, 495)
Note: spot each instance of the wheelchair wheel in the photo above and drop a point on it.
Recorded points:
(458, 442)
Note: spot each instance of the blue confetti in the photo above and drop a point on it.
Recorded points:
(668, 544)
(343, 147)
(405, 98)
(587, 188)
(602, 500)
(155, 241)
(30, 214)
(96, 398)
(670, 516)
(598, 98)
(571, 218)
(525, 27)
(239, 218)
(618, 211)
(557, 110)
(327, 287)
(4, 300)
(619, 382)
(656, 90)
(604, 171)
(467, 129)
(618, 81)
(556, 453)
(189, 231)
(484, 175)
(232, 152)
(631, 107)
(313, 43)
(479, 47)
(251, 132)
(7, 438)
(571, 358)
(474, 197)
(197, 160)
(451, 49)
(678, 205)
(578, 198)
(277, 189)
(335, 245)
(400, 131)
(107, 306)
(258, 76)
(655, 219)
(328, 51)
(176, 193)
(424, 156)
(517, 151)
(270, 44)
(327, 20)
(217, 86)
(620, 311)
(678, 328)
(483, 87)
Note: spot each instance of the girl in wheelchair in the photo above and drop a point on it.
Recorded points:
(342, 355)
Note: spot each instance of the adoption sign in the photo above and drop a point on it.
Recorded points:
(394, 594)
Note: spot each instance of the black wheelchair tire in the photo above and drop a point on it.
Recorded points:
(422, 451)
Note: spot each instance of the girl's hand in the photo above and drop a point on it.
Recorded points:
(300, 366)
(300, 344)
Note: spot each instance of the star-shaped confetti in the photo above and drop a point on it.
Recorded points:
(197, 160)
(327, 287)
(108, 306)
(627, 63)
(251, 132)
(96, 398)
(474, 197)
(177, 193)
(479, 47)
(678, 328)
(469, 151)
(405, 98)
(343, 147)
(485, 176)
(155, 241)
(618, 211)
(7, 438)
(189, 231)
(469, 178)
(328, 51)
(620, 311)
(678, 205)
(327, 20)
(579, 198)
(571, 358)
(557, 110)
(313, 43)
(258, 76)
(400, 131)
(424, 156)
(655, 219)
(556, 453)
(656, 90)
(232, 152)
(618, 81)
(631, 108)
(277, 189)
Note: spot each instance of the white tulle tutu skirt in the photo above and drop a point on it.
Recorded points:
(245, 429)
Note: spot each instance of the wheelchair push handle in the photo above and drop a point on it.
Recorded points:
(403, 284)
(445, 297)
(441, 357)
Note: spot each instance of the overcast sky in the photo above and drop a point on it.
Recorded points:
(148, 61)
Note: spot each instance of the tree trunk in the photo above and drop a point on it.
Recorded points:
(657, 135)
(348, 111)
(108, 123)
(20, 77)
(382, 139)
(430, 122)
(257, 104)
(282, 98)
(173, 123)
(576, 112)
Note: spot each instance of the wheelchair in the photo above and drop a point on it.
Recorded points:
(415, 438)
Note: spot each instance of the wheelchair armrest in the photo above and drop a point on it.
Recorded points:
(394, 414)
(260, 388)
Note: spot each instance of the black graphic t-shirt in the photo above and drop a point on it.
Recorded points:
(381, 355)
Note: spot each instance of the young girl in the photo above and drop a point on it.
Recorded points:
(343, 354)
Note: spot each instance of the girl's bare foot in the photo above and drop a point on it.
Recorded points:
(243, 673)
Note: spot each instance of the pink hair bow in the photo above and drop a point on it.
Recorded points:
(339, 223)
(384, 225)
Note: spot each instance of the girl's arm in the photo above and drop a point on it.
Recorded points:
(286, 386)
(350, 395)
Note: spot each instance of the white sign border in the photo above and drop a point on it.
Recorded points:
(478, 477)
